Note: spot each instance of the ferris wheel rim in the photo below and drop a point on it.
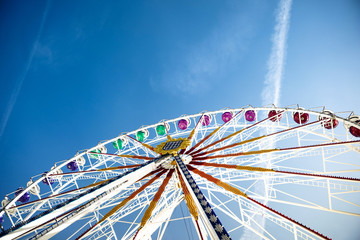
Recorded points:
(104, 142)
(321, 114)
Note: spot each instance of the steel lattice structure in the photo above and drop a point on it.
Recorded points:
(270, 172)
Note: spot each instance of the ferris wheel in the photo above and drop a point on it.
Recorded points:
(267, 173)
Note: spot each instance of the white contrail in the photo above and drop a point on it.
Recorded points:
(20, 81)
(271, 91)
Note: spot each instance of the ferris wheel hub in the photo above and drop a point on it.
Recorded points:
(172, 146)
(186, 158)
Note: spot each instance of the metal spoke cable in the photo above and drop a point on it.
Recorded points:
(210, 134)
(198, 153)
(240, 193)
(260, 169)
(274, 150)
(231, 135)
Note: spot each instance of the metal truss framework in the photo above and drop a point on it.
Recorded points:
(305, 160)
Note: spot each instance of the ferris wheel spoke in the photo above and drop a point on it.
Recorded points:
(139, 148)
(143, 144)
(151, 173)
(65, 196)
(160, 217)
(273, 150)
(153, 203)
(336, 184)
(235, 154)
(218, 182)
(238, 167)
(244, 133)
(103, 229)
(272, 140)
(189, 200)
(210, 134)
(320, 176)
(260, 169)
(197, 152)
(255, 159)
(278, 220)
(192, 133)
(105, 189)
(227, 147)
(203, 140)
(57, 223)
(289, 219)
(281, 217)
(132, 207)
(106, 216)
(162, 212)
(123, 203)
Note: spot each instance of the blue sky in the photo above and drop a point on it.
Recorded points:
(75, 73)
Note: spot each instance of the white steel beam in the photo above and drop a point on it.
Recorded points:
(118, 185)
